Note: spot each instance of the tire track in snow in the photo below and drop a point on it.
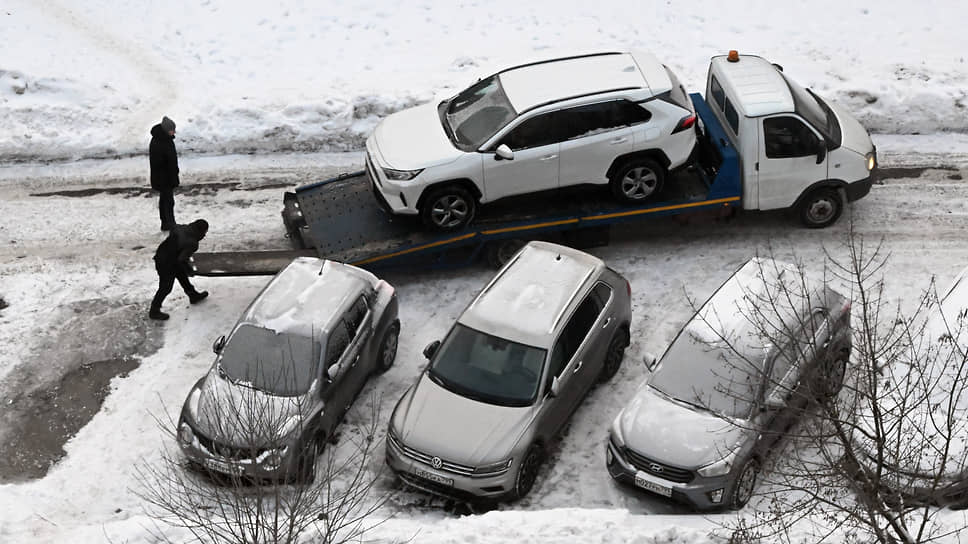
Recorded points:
(147, 67)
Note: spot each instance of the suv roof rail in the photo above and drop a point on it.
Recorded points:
(566, 98)
(587, 55)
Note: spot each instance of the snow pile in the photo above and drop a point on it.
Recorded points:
(248, 77)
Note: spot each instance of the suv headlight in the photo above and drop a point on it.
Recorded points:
(723, 466)
(185, 434)
(401, 175)
(871, 160)
(271, 459)
(500, 466)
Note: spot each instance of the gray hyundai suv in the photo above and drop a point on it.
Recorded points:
(509, 374)
(699, 428)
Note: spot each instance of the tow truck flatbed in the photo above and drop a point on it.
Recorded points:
(340, 218)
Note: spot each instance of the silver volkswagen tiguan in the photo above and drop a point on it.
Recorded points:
(509, 374)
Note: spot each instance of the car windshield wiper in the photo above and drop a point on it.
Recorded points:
(681, 401)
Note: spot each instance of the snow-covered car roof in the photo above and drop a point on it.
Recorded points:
(306, 295)
(527, 299)
(758, 85)
(540, 83)
(726, 315)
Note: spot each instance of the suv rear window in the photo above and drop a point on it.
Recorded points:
(590, 119)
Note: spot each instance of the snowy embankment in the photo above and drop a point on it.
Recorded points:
(89, 80)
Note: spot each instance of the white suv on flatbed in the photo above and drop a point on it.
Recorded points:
(607, 118)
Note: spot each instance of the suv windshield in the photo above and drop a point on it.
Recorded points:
(702, 375)
(812, 108)
(477, 113)
(487, 368)
(278, 364)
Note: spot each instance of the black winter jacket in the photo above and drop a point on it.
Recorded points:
(163, 159)
(182, 242)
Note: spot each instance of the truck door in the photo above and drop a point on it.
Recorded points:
(535, 163)
(788, 160)
(592, 136)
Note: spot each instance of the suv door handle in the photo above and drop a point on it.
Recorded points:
(577, 367)
(621, 140)
(548, 158)
(607, 322)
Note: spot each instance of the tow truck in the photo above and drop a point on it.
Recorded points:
(764, 143)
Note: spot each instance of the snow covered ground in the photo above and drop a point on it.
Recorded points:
(86, 81)
(90, 78)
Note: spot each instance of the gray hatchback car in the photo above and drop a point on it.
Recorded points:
(698, 429)
(509, 374)
(289, 370)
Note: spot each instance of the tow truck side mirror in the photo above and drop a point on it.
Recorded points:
(218, 344)
(431, 349)
(821, 151)
(504, 152)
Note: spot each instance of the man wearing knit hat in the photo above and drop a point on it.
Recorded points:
(164, 169)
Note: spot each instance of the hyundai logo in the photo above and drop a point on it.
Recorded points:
(655, 467)
(436, 462)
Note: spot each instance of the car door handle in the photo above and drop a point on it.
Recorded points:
(621, 140)
(577, 368)
(548, 158)
(607, 322)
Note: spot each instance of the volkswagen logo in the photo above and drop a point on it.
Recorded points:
(655, 467)
(436, 462)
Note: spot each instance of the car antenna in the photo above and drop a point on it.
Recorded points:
(321, 266)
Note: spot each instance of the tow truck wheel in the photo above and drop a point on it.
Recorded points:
(500, 252)
(448, 208)
(821, 208)
(637, 180)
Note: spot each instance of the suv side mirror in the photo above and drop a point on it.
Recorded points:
(218, 344)
(431, 349)
(821, 151)
(555, 387)
(504, 152)
(649, 360)
(774, 401)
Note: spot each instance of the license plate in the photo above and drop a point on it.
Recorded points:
(645, 482)
(223, 467)
(433, 477)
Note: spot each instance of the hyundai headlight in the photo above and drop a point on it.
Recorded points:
(721, 467)
(272, 458)
(185, 434)
(401, 175)
(500, 466)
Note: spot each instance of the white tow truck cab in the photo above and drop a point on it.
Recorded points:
(795, 148)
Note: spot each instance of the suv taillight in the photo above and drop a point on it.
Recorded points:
(628, 288)
(685, 123)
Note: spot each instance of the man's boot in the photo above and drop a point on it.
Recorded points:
(157, 314)
(197, 297)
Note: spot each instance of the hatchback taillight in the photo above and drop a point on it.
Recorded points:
(685, 123)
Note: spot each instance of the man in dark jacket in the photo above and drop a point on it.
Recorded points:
(171, 262)
(164, 169)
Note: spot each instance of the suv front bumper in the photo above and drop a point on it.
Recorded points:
(695, 493)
